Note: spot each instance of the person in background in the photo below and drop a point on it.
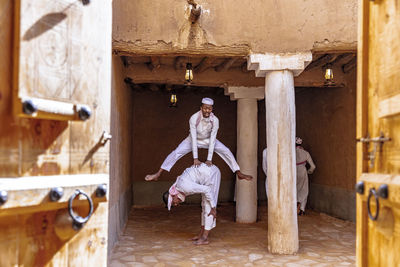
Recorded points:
(302, 157)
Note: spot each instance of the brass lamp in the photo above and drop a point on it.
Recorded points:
(173, 100)
(329, 75)
(189, 73)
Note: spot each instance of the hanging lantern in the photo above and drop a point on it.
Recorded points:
(173, 100)
(329, 74)
(189, 73)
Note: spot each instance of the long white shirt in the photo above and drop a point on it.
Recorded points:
(265, 169)
(264, 161)
(303, 157)
(200, 180)
(203, 131)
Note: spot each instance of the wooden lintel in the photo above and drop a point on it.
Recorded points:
(224, 66)
(204, 64)
(139, 48)
(154, 63)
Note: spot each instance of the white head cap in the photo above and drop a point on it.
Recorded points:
(207, 101)
(299, 141)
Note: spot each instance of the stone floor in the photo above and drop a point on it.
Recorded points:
(156, 237)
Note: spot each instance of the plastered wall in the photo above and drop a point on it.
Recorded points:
(234, 26)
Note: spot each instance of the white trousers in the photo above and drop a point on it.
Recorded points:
(186, 146)
(302, 186)
(209, 222)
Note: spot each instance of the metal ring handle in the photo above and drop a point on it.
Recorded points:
(372, 192)
(78, 221)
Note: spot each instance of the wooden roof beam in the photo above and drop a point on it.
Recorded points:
(224, 66)
(154, 63)
(179, 62)
(204, 64)
(320, 61)
(346, 68)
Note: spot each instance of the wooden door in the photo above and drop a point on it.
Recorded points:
(378, 133)
(54, 149)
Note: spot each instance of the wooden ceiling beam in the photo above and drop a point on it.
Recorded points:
(179, 63)
(244, 67)
(224, 66)
(320, 61)
(204, 64)
(346, 68)
(154, 63)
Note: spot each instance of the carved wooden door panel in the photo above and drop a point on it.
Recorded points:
(378, 133)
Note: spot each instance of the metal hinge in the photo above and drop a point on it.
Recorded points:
(378, 143)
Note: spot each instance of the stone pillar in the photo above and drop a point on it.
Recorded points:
(279, 71)
(247, 142)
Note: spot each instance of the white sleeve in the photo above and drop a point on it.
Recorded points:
(190, 187)
(193, 134)
(310, 161)
(213, 137)
(264, 162)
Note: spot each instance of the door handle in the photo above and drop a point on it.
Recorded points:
(383, 192)
(372, 193)
(78, 221)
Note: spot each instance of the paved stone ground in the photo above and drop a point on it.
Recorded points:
(156, 237)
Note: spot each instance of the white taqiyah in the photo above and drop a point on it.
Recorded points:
(207, 101)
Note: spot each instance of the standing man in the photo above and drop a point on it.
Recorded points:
(302, 157)
(264, 167)
(203, 134)
(203, 180)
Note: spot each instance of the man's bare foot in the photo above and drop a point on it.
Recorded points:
(242, 176)
(195, 238)
(152, 177)
(201, 241)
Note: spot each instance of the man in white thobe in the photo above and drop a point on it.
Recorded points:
(202, 180)
(203, 134)
(264, 167)
(302, 157)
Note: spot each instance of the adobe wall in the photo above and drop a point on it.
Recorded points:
(120, 199)
(234, 26)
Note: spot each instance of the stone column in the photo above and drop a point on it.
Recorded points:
(279, 71)
(247, 142)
